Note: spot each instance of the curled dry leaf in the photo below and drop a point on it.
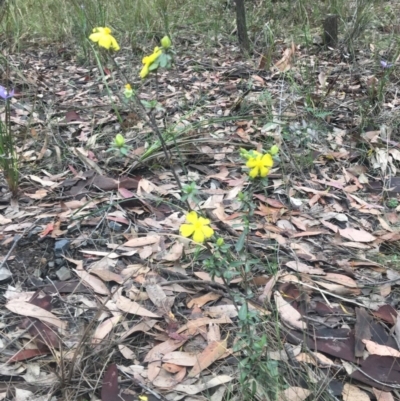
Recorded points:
(289, 314)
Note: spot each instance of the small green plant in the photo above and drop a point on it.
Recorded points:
(8, 155)
(119, 145)
(392, 203)
(232, 261)
(190, 192)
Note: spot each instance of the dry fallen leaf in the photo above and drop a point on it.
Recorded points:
(28, 309)
(104, 328)
(353, 393)
(356, 235)
(201, 301)
(382, 350)
(303, 268)
(382, 395)
(142, 241)
(91, 281)
(128, 306)
(157, 352)
(202, 385)
(294, 394)
(209, 355)
(180, 358)
(288, 314)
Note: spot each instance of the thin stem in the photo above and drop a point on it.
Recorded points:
(151, 122)
(114, 106)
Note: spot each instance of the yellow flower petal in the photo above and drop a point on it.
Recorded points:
(192, 217)
(105, 41)
(198, 236)
(95, 37)
(263, 171)
(144, 72)
(204, 221)
(251, 162)
(208, 231)
(267, 160)
(186, 230)
(114, 44)
(254, 172)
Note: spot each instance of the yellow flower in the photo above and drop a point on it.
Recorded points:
(260, 165)
(148, 61)
(103, 37)
(166, 42)
(199, 227)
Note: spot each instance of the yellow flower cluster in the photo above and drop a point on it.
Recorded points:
(197, 226)
(103, 37)
(148, 61)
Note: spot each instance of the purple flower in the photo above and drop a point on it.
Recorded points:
(5, 94)
(385, 64)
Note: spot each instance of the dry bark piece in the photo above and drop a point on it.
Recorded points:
(362, 331)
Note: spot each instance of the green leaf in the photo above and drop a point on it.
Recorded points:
(163, 60)
(240, 242)
(154, 66)
(243, 312)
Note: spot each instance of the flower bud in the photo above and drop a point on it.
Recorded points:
(119, 141)
(166, 42)
(128, 92)
(244, 153)
(274, 150)
(220, 241)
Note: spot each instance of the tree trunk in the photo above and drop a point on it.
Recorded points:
(244, 42)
